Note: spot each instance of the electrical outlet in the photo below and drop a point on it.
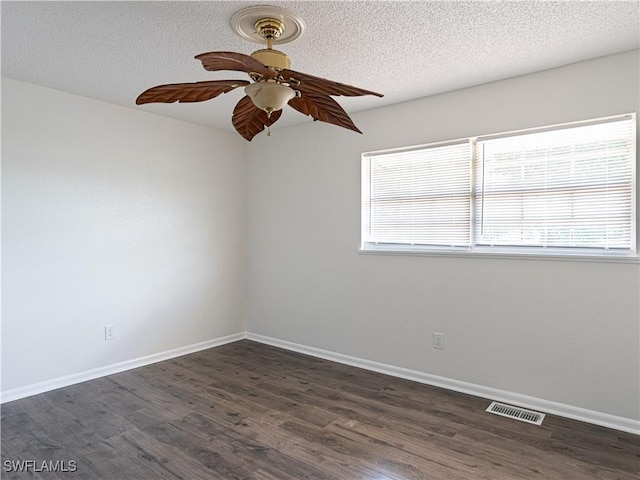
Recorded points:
(109, 332)
(438, 340)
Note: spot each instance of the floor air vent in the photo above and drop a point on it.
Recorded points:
(516, 413)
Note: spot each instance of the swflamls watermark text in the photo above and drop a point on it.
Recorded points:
(40, 466)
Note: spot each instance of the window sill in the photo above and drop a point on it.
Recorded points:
(452, 253)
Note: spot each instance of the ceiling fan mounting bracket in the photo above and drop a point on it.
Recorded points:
(261, 22)
(269, 28)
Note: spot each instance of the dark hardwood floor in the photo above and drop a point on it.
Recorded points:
(250, 411)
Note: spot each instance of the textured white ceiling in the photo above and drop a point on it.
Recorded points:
(112, 51)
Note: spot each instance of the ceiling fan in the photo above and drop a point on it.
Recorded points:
(274, 83)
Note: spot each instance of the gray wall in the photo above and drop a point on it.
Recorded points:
(113, 216)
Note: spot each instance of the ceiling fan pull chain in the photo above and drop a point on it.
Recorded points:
(268, 131)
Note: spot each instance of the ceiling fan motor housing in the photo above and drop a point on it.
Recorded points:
(272, 58)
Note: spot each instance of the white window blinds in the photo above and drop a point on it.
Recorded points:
(418, 197)
(559, 190)
(565, 188)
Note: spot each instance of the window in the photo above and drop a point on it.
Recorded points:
(561, 190)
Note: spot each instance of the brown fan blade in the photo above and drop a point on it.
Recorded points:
(213, 61)
(249, 120)
(188, 92)
(323, 108)
(313, 84)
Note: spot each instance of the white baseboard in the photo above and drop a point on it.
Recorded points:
(27, 391)
(546, 406)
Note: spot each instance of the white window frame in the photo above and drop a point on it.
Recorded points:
(473, 250)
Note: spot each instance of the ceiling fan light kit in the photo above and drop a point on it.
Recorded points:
(269, 96)
(274, 83)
